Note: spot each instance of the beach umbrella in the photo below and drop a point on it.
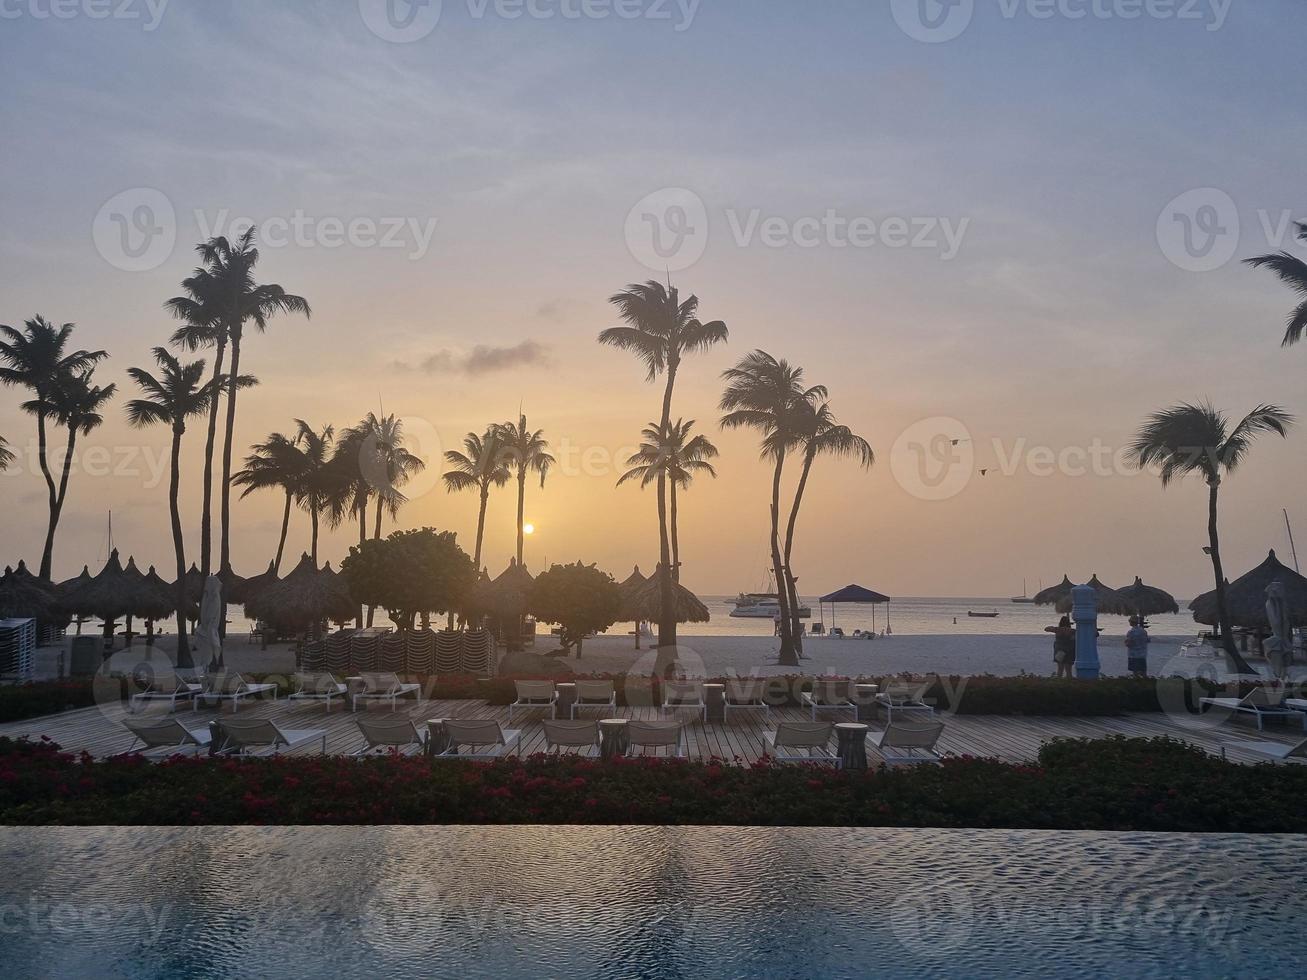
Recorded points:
(236, 590)
(1148, 600)
(1107, 600)
(67, 587)
(628, 589)
(1245, 597)
(303, 599)
(510, 593)
(27, 596)
(108, 596)
(1054, 593)
(855, 593)
(647, 603)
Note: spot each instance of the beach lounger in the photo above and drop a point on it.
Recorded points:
(829, 696)
(382, 685)
(228, 685)
(596, 694)
(318, 685)
(1260, 702)
(800, 741)
(165, 685)
(390, 733)
(656, 735)
(1275, 751)
(484, 735)
(166, 736)
(905, 700)
(262, 736)
(678, 695)
(1298, 704)
(745, 693)
(904, 743)
(534, 694)
(580, 735)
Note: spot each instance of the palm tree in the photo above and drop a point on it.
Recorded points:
(1293, 273)
(384, 463)
(6, 454)
(660, 330)
(319, 485)
(173, 397)
(223, 291)
(767, 394)
(1197, 439)
(35, 359)
(277, 463)
(527, 452)
(677, 456)
(484, 464)
(820, 435)
(74, 403)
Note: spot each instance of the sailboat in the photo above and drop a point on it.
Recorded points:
(1023, 598)
(763, 605)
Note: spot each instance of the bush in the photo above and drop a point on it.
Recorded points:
(19, 702)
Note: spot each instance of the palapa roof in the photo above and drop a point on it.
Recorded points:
(145, 598)
(164, 589)
(1245, 597)
(236, 589)
(24, 595)
(648, 602)
(510, 593)
(1148, 600)
(109, 595)
(1110, 602)
(304, 597)
(629, 588)
(1050, 595)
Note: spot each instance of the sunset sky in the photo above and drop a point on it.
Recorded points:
(1054, 149)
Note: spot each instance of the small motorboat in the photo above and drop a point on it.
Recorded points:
(982, 615)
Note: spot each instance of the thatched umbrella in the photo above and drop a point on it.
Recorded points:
(303, 599)
(108, 596)
(236, 589)
(1054, 593)
(507, 599)
(1148, 600)
(146, 599)
(1245, 597)
(629, 589)
(24, 595)
(1107, 600)
(67, 587)
(647, 603)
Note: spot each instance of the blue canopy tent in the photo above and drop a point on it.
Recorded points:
(855, 593)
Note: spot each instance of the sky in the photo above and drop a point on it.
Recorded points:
(1013, 223)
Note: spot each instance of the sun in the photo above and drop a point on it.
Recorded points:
(528, 529)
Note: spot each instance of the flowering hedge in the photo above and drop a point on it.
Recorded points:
(1108, 784)
(21, 701)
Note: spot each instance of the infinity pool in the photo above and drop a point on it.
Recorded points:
(472, 902)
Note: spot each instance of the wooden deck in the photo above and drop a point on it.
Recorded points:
(99, 730)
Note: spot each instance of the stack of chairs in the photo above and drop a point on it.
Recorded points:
(420, 652)
(390, 653)
(449, 652)
(477, 648)
(363, 654)
(313, 656)
(338, 652)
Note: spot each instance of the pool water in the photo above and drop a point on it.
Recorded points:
(473, 902)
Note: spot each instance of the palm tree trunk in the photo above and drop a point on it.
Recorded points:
(281, 541)
(47, 556)
(1240, 665)
(667, 619)
(376, 530)
(313, 546)
(521, 510)
(363, 537)
(206, 507)
(47, 553)
(788, 655)
(481, 527)
(179, 547)
(676, 543)
(224, 553)
(791, 587)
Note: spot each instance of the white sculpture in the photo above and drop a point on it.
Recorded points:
(208, 638)
(1279, 648)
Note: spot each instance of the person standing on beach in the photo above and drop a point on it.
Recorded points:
(1064, 646)
(1136, 646)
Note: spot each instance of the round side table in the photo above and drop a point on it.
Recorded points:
(613, 737)
(852, 744)
(714, 696)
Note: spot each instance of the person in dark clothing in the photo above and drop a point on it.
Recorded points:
(1064, 646)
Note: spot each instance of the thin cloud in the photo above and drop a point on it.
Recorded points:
(481, 359)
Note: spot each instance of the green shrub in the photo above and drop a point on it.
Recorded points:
(19, 702)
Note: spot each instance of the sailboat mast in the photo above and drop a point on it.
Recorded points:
(1289, 527)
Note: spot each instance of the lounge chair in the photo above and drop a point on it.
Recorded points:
(262, 736)
(165, 685)
(903, 743)
(390, 733)
(318, 685)
(534, 694)
(745, 693)
(829, 696)
(483, 734)
(678, 695)
(228, 685)
(656, 735)
(580, 735)
(1260, 702)
(906, 701)
(1298, 704)
(383, 685)
(800, 741)
(596, 694)
(1275, 751)
(166, 734)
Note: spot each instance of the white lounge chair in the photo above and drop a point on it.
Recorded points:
(678, 695)
(262, 736)
(828, 695)
(1260, 702)
(165, 685)
(484, 735)
(534, 694)
(390, 733)
(801, 741)
(1298, 704)
(596, 694)
(905, 700)
(745, 693)
(1275, 751)
(166, 736)
(903, 743)
(230, 686)
(580, 735)
(383, 685)
(317, 685)
(656, 735)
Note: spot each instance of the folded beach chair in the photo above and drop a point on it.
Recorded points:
(904, 743)
(678, 695)
(583, 736)
(165, 685)
(801, 741)
(596, 694)
(745, 693)
(166, 736)
(534, 694)
(1275, 751)
(483, 735)
(228, 685)
(317, 685)
(1260, 702)
(262, 736)
(828, 695)
(383, 685)
(393, 734)
(656, 735)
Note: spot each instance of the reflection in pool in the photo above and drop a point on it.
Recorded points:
(473, 902)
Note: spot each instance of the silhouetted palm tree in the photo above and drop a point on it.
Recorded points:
(660, 331)
(385, 463)
(35, 359)
(527, 452)
(223, 291)
(1293, 273)
(6, 455)
(483, 464)
(277, 463)
(176, 395)
(767, 394)
(678, 457)
(1197, 439)
(319, 490)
